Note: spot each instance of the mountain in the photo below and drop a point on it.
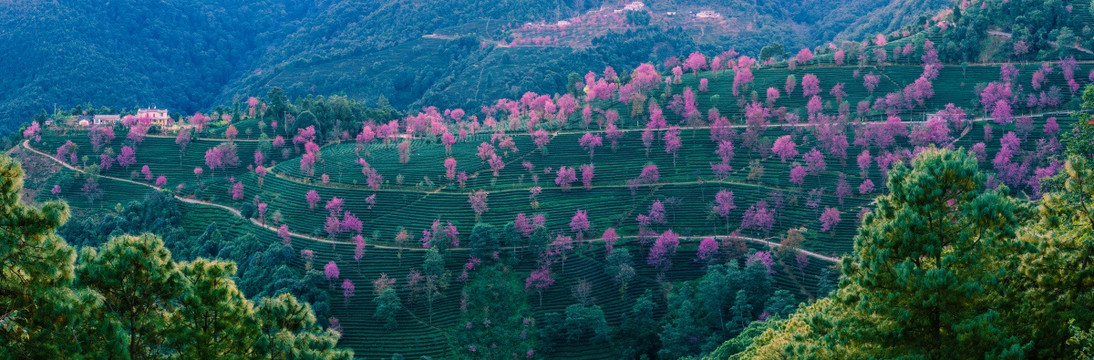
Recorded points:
(192, 55)
(173, 54)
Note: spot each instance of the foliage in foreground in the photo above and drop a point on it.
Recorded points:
(948, 268)
(128, 298)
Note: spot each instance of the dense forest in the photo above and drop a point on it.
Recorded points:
(187, 56)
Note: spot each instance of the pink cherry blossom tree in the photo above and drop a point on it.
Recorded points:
(785, 148)
(127, 157)
(829, 219)
(810, 85)
(587, 175)
(564, 177)
(791, 83)
(450, 168)
(539, 280)
(870, 82)
(695, 62)
(347, 290)
(237, 191)
(590, 142)
(660, 255)
(797, 175)
(312, 197)
(331, 272)
(708, 251)
(758, 217)
(866, 187)
(477, 199)
(672, 142)
(609, 237)
(283, 232)
(579, 224)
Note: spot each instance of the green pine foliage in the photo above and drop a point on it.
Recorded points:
(946, 268)
(129, 299)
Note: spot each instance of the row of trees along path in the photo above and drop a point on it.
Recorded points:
(236, 212)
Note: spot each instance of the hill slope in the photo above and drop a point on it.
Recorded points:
(192, 55)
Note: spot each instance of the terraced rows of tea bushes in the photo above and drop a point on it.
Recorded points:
(686, 187)
(161, 155)
(415, 337)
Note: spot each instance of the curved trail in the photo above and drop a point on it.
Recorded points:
(236, 212)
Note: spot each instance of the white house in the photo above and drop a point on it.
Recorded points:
(158, 116)
(105, 120)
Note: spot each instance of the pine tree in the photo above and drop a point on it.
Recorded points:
(923, 264)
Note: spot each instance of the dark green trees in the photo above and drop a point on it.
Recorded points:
(129, 299)
(945, 268)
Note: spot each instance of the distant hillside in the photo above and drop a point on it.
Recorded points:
(460, 59)
(172, 53)
(192, 55)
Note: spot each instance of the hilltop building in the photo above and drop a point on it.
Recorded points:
(105, 120)
(708, 14)
(157, 116)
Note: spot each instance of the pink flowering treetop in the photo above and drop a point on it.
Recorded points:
(127, 157)
(284, 234)
(334, 205)
(105, 162)
(539, 280)
(450, 168)
(477, 199)
(762, 258)
(829, 219)
(609, 237)
(579, 224)
(866, 187)
(348, 289)
(871, 81)
(99, 135)
(758, 217)
(660, 255)
(350, 222)
(810, 85)
(237, 191)
(161, 181)
(797, 175)
(358, 247)
(312, 197)
(741, 79)
(587, 173)
(723, 203)
(590, 142)
(564, 177)
(785, 148)
(649, 175)
(708, 251)
(32, 131)
(695, 62)
(672, 142)
(772, 96)
(804, 55)
(814, 162)
(331, 270)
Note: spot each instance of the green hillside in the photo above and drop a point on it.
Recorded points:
(416, 192)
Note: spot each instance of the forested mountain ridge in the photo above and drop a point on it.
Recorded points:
(193, 55)
(126, 53)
